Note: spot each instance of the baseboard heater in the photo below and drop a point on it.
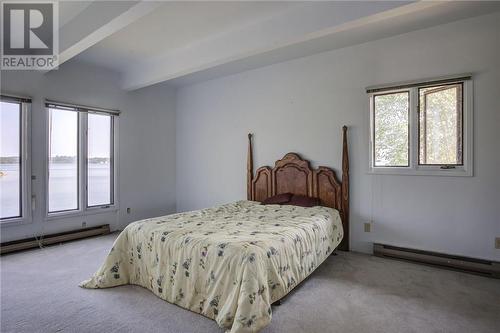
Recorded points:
(464, 264)
(61, 237)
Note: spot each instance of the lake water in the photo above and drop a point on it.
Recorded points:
(62, 187)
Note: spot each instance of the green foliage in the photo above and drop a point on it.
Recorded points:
(391, 129)
(440, 126)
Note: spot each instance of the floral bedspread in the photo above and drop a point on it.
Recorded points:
(228, 263)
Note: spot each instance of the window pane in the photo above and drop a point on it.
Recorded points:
(99, 164)
(440, 125)
(391, 113)
(10, 160)
(63, 160)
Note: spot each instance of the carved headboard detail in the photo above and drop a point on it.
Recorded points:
(295, 175)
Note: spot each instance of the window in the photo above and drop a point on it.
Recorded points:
(14, 160)
(81, 166)
(10, 167)
(63, 161)
(422, 128)
(440, 125)
(99, 160)
(391, 122)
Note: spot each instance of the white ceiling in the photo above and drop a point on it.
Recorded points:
(186, 42)
(172, 26)
(68, 10)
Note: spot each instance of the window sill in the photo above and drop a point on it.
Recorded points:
(87, 212)
(18, 221)
(421, 172)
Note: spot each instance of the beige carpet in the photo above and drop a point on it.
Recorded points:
(348, 293)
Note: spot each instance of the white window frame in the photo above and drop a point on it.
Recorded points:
(114, 151)
(426, 170)
(25, 172)
(83, 209)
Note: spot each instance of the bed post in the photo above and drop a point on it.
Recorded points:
(249, 168)
(345, 190)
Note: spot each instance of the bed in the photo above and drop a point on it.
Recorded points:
(231, 262)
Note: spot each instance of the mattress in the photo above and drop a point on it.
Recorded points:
(228, 263)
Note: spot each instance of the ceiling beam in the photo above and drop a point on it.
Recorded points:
(298, 32)
(98, 21)
(295, 25)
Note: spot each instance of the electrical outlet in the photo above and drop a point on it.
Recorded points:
(368, 227)
(84, 224)
(497, 242)
(128, 210)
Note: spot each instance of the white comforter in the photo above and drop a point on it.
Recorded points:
(228, 263)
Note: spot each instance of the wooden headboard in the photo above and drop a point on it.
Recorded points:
(294, 174)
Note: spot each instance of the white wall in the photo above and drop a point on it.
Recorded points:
(301, 105)
(297, 106)
(146, 143)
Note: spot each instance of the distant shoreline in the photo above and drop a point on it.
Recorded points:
(58, 160)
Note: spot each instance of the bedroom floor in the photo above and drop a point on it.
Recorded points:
(348, 293)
